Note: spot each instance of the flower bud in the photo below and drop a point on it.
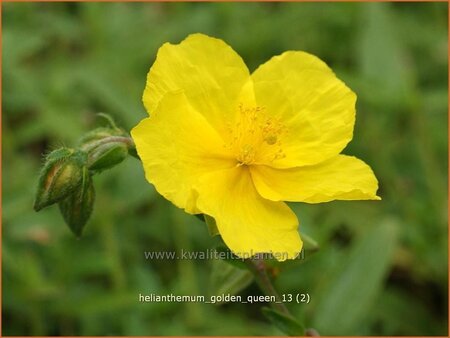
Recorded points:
(107, 155)
(98, 134)
(77, 207)
(61, 174)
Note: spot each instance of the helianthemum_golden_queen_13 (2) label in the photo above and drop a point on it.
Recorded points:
(235, 146)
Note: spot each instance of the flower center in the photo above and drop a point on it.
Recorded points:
(256, 137)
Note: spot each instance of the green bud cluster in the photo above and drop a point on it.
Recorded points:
(66, 177)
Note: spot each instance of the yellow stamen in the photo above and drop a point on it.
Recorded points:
(256, 136)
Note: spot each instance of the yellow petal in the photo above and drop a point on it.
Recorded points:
(315, 107)
(340, 178)
(176, 146)
(210, 73)
(248, 223)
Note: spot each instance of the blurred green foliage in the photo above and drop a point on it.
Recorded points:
(382, 268)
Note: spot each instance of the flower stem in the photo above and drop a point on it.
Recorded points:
(258, 268)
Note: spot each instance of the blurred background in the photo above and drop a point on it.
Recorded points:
(382, 267)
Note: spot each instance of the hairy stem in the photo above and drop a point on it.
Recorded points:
(258, 268)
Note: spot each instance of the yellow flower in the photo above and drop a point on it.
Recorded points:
(234, 146)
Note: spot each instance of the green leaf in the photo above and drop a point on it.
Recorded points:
(229, 257)
(352, 293)
(212, 226)
(210, 222)
(227, 279)
(310, 245)
(109, 119)
(285, 323)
